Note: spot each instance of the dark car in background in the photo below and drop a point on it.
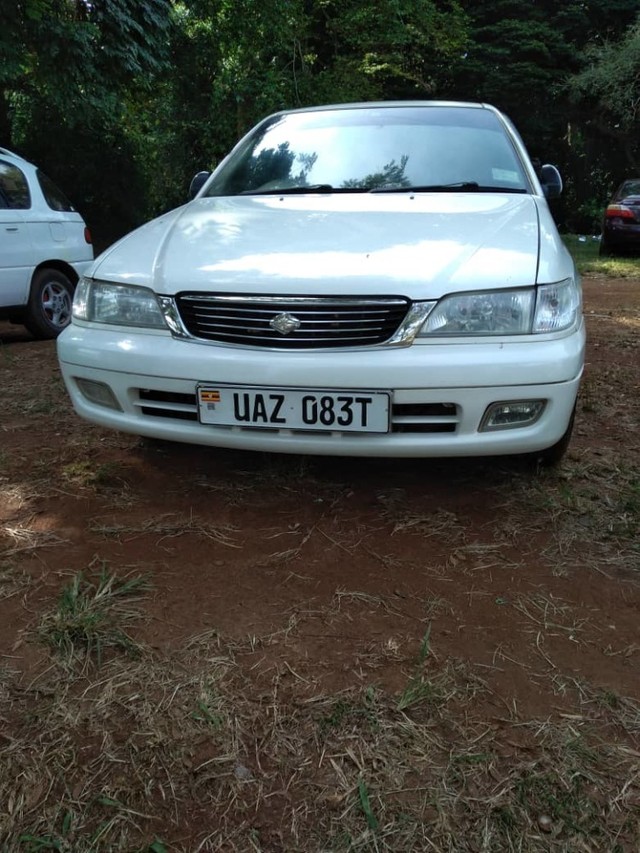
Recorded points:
(621, 226)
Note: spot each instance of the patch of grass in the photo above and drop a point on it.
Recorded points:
(585, 252)
(88, 474)
(209, 708)
(622, 711)
(91, 616)
(204, 713)
(349, 711)
(124, 762)
(12, 579)
(568, 805)
(589, 512)
(365, 805)
(419, 688)
(443, 684)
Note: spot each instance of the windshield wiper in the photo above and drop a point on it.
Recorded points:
(457, 187)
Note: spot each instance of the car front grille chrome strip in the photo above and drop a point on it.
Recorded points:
(411, 324)
(172, 317)
(294, 322)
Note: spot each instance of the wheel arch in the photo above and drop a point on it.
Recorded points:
(56, 264)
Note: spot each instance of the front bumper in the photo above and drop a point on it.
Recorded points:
(440, 391)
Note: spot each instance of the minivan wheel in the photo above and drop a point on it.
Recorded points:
(50, 301)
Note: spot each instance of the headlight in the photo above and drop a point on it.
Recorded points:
(557, 306)
(494, 312)
(534, 310)
(117, 304)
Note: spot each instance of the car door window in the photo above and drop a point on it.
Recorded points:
(14, 189)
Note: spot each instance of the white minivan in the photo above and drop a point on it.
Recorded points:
(45, 247)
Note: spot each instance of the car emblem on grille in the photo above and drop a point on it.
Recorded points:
(285, 323)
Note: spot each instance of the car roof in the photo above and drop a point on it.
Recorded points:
(390, 105)
(361, 105)
(5, 152)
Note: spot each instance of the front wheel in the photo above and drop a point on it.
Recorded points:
(551, 456)
(50, 301)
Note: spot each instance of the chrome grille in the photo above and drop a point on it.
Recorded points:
(309, 322)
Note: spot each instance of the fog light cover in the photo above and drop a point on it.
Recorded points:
(511, 414)
(99, 393)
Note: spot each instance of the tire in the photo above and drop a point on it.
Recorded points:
(49, 306)
(552, 456)
(605, 250)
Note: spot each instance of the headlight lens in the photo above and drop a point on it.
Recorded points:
(117, 304)
(535, 310)
(493, 312)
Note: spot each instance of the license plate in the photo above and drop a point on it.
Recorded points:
(286, 408)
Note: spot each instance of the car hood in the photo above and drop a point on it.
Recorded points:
(420, 246)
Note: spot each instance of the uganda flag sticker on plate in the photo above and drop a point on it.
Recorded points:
(209, 398)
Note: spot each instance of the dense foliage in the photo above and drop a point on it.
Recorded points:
(122, 101)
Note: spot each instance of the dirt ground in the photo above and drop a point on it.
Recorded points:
(203, 649)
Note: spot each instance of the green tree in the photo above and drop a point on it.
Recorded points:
(518, 59)
(607, 94)
(232, 62)
(67, 70)
(78, 55)
(522, 54)
(384, 49)
(238, 60)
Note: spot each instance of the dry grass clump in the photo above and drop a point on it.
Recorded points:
(587, 512)
(206, 750)
(21, 537)
(430, 523)
(170, 526)
(13, 579)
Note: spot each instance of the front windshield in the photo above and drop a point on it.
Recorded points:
(374, 148)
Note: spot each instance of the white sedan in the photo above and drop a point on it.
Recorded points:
(366, 279)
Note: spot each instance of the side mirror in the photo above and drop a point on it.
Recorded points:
(551, 181)
(197, 183)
